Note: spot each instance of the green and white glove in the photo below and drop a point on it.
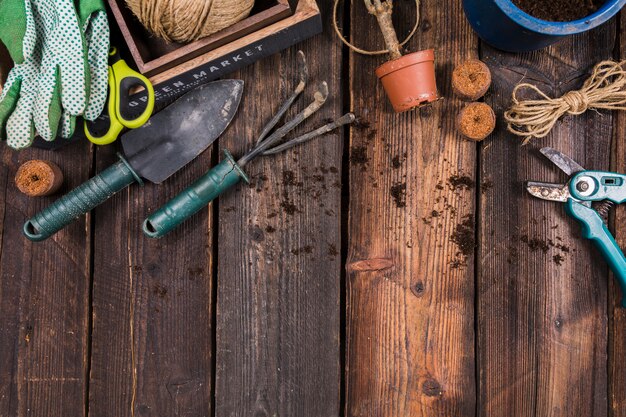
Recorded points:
(64, 73)
(93, 20)
(61, 69)
(18, 33)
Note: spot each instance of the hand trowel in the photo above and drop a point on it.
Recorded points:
(170, 140)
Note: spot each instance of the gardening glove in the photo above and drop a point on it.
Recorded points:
(64, 73)
(18, 32)
(95, 26)
(93, 20)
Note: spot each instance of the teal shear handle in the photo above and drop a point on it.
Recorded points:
(595, 230)
(214, 183)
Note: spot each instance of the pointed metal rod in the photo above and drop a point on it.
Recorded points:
(343, 120)
(321, 95)
(303, 73)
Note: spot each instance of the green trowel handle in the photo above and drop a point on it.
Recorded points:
(595, 229)
(80, 201)
(195, 198)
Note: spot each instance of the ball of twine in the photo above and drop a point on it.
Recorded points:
(536, 118)
(188, 20)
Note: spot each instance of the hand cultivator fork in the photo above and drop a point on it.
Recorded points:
(229, 173)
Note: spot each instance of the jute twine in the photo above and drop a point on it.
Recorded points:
(536, 118)
(188, 20)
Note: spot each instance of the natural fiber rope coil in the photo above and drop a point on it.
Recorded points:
(536, 118)
(189, 20)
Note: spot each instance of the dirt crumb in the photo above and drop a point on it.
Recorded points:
(464, 236)
(461, 182)
(289, 178)
(358, 155)
(558, 259)
(288, 207)
(398, 193)
(535, 244)
(304, 249)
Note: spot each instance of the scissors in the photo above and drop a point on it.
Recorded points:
(588, 198)
(118, 112)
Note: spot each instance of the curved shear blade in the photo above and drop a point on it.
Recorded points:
(548, 191)
(564, 162)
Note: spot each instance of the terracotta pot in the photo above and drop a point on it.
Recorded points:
(410, 80)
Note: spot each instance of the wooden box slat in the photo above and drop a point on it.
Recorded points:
(153, 55)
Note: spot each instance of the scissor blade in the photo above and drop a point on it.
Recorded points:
(178, 134)
(564, 162)
(549, 191)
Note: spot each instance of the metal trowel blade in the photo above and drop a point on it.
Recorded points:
(179, 133)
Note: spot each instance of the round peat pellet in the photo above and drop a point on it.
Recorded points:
(476, 121)
(38, 178)
(471, 79)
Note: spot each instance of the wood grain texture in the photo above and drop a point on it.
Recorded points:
(410, 311)
(44, 298)
(617, 314)
(542, 289)
(152, 306)
(278, 317)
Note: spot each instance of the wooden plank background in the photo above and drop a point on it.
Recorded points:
(335, 284)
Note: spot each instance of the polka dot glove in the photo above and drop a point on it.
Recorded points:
(95, 26)
(18, 32)
(64, 73)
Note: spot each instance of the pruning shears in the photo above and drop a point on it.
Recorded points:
(118, 113)
(588, 197)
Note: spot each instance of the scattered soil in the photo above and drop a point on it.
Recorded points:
(398, 192)
(289, 178)
(461, 182)
(332, 250)
(471, 79)
(535, 244)
(486, 186)
(558, 259)
(288, 207)
(559, 10)
(397, 160)
(476, 121)
(358, 155)
(464, 235)
(304, 249)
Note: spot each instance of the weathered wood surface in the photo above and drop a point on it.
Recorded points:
(44, 298)
(278, 290)
(410, 282)
(617, 314)
(334, 284)
(152, 306)
(541, 289)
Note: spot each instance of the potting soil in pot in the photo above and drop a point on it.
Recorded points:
(559, 10)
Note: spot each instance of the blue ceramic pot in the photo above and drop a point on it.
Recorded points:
(503, 25)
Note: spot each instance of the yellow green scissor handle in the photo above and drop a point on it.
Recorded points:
(119, 111)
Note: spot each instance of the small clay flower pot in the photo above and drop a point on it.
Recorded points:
(410, 80)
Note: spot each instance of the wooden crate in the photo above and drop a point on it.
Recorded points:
(175, 69)
(153, 55)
